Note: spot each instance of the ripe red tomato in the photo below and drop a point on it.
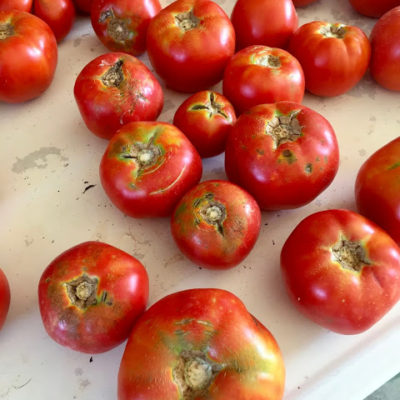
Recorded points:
(121, 25)
(147, 167)
(206, 118)
(28, 56)
(374, 8)
(302, 3)
(114, 89)
(83, 5)
(91, 295)
(189, 43)
(334, 57)
(341, 270)
(385, 55)
(259, 75)
(4, 297)
(200, 344)
(284, 154)
(20, 5)
(216, 224)
(264, 22)
(58, 14)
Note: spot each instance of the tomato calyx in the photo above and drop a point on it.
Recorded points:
(210, 211)
(117, 28)
(337, 31)
(212, 106)
(284, 128)
(6, 30)
(82, 291)
(350, 255)
(114, 76)
(187, 21)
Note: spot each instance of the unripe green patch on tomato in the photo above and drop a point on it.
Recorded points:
(394, 166)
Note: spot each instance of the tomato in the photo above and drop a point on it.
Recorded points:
(189, 43)
(341, 270)
(264, 22)
(283, 154)
(385, 55)
(302, 3)
(334, 57)
(261, 74)
(147, 167)
(121, 25)
(216, 224)
(205, 118)
(374, 8)
(91, 295)
(114, 89)
(21, 5)
(200, 344)
(83, 5)
(28, 56)
(58, 14)
(4, 297)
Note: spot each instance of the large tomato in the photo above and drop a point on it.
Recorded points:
(91, 295)
(261, 74)
(28, 56)
(189, 43)
(200, 344)
(374, 8)
(114, 89)
(4, 297)
(21, 5)
(341, 270)
(147, 167)
(216, 224)
(334, 57)
(284, 154)
(264, 22)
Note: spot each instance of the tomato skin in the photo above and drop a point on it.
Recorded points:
(105, 107)
(4, 297)
(302, 3)
(28, 57)
(374, 8)
(147, 167)
(338, 297)
(83, 5)
(264, 22)
(197, 325)
(334, 57)
(120, 296)
(260, 75)
(179, 56)
(282, 172)
(20, 5)
(216, 243)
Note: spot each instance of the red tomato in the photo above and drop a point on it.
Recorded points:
(205, 118)
(260, 74)
(374, 8)
(284, 154)
(28, 56)
(200, 344)
(91, 295)
(121, 25)
(334, 57)
(265, 22)
(341, 270)
(4, 297)
(302, 3)
(189, 43)
(20, 5)
(216, 224)
(147, 167)
(58, 14)
(114, 89)
(83, 5)
(385, 45)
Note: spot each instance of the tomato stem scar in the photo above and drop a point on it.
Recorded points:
(350, 255)
(82, 291)
(114, 75)
(187, 21)
(284, 128)
(337, 31)
(212, 106)
(6, 30)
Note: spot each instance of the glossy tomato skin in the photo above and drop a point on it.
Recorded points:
(83, 5)
(4, 297)
(283, 154)
(374, 8)
(147, 167)
(264, 22)
(21, 5)
(341, 270)
(28, 56)
(334, 57)
(302, 3)
(189, 43)
(193, 330)
(115, 89)
(206, 118)
(216, 224)
(91, 295)
(121, 25)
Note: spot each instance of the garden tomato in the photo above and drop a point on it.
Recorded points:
(200, 344)
(341, 270)
(205, 118)
(28, 56)
(20, 5)
(114, 89)
(83, 5)
(216, 224)
(334, 57)
(4, 297)
(302, 3)
(374, 8)
(121, 25)
(91, 295)
(264, 22)
(261, 74)
(284, 154)
(147, 167)
(385, 45)
(189, 43)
